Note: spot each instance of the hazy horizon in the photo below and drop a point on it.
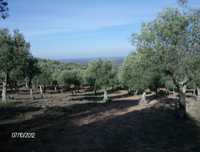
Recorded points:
(82, 29)
(85, 60)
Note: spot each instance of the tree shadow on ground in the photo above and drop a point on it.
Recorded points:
(10, 112)
(150, 129)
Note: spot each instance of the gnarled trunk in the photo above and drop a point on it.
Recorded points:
(181, 104)
(26, 85)
(143, 98)
(4, 88)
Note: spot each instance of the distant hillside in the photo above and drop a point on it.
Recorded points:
(116, 60)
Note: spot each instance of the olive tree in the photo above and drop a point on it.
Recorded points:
(45, 77)
(91, 75)
(13, 53)
(30, 70)
(138, 75)
(173, 37)
(71, 79)
(101, 73)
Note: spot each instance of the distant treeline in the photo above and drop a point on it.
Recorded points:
(115, 60)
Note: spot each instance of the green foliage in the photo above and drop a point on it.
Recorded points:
(137, 74)
(100, 74)
(173, 41)
(167, 52)
(70, 78)
(51, 71)
(13, 50)
(31, 68)
(45, 77)
(195, 71)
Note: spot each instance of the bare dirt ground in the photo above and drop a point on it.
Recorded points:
(66, 123)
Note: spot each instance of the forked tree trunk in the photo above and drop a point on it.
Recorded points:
(136, 92)
(181, 103)
(143, 98)
(26, 85)
(4, 88)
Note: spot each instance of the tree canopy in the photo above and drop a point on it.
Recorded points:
(167, 49)
(14, 51)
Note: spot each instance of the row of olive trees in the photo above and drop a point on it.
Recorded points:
(99, 74)
(19, 67)
(168, 54)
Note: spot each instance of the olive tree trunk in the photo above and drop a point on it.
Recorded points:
(105, 95)
(143, 98)
(184, 89)
(174, 92)
(198, 93)
(95, 90)
(41, 91)
(4, 88)
(30, 86)
(31, 93)
(181, 105)
(55, 88)
(26, 85)
(4, 92)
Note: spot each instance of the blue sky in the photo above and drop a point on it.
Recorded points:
(82, 28)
